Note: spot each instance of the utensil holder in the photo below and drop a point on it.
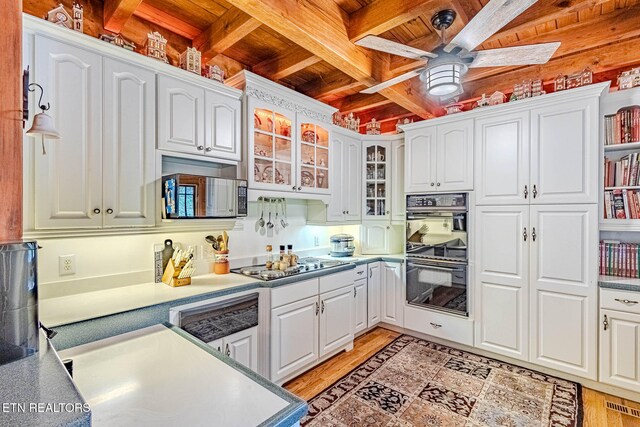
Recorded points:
(171, 273)
(221, 262)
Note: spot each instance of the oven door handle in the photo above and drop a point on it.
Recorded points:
(435, 267)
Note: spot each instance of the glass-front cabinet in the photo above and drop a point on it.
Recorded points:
(376, 180)
(273, 153)
(314, 158)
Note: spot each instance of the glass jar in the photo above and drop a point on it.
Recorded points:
(269, 262)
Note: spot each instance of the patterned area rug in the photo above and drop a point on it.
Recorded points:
(414, 382)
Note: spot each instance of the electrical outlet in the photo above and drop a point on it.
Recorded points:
(66, 265)
(316, 241)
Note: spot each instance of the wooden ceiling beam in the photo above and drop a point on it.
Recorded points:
(226, 31)
(320, 26)
(359, 102)
(162, 19)
(116, 13)
(292, 61)
(329, 84)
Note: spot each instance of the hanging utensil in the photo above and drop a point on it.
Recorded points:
(225, 238)
(277, 222)
(286, 219)
(261, 220)
(282, 221)
(269, 223)
(212, 241)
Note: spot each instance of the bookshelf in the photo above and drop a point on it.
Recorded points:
(613, 178)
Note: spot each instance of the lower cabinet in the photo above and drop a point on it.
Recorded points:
(442, 325)
(373, 293)
(391, 293)
(360, 295)
(241, 347)
(375, 238)
(336, 319)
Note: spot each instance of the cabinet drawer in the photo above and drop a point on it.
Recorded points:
(614, 299)
(361, 271)
(335, 281)
(439, 325)
(294, 292)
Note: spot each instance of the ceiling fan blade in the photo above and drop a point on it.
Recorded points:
(393, 81)
(493, 16)
(516, 55)
(384, 45)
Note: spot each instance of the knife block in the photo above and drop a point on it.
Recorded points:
(171, 273)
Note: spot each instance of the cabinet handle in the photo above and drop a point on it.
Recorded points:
(432, 184)
(526, 192)
(355, 292)
(524, 234)
(370, 274)
(344, 212)
(323, 306)
(387, 212)
(109, 211)
(347, 212)
(220, 349)
(317, 308)
(299, 188)
(533, 234)
(605, 323)
(293, 188)
(626, 301)
(435, 325)
(227, 351)
(96, 211)
(360, 272)
(208, 149)
(438, 184)
(534, 191)
(200, 147)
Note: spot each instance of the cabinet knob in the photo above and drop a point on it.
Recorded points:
(96, 211)
(208, 149)
(299, 188)
(438, 184)
(227, 351)
(534, 191)
(322, 306)
(388, 227)
(432, 184)
(347, 212)
(435, 325)
(387, 212)
(317, 308)
(344, 212)
(533, 234)
(200, 147)
(526, 192)
(109, 211)
(293, 188)
(605, 323)
(524, 234)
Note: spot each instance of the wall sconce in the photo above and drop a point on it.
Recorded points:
(42, 122)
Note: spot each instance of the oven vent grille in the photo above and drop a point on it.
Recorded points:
(624, 409)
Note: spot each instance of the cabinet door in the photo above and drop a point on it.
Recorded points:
(339, 163)
(620, 349)
(391, 295)
(502, 280)
(420, 160)
(294, 337)
(216, 345)
(373, 294)
(352, 179)
(243, 347)
(564, 266)
(180, 116)
(222, 126)
(502, 159)
(129, 138)
(68, 185)
(374, 238)
(398, 201)
(360, 312)
(313, 157)
(454, 153)
(336, 319)
(376, 180)
(564, 152)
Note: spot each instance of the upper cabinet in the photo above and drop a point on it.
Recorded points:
(346, 197)
(195, 120)
(377, 179)
(439, 158)
(313, 157)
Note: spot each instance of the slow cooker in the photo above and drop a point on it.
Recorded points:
(342, 245)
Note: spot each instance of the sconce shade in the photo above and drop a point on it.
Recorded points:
(43, 125)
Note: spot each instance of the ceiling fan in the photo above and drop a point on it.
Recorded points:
(449, 62)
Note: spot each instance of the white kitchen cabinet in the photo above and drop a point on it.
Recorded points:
(620, 349)
(375, 238)
(564, 152)
(502, 280)
(345, 203)
(563, 281)
(243, 347)
(373, 293)
(336, 319)
(360, 305)
(391, 293)
(223, 121)
(180, 115)
(502, 159)
(439, 158)
(312, 150)
(294, 337)
(454, 156)
(68, 182)
(398, 200)
(216, 345)
(129, 131)
(376, 178)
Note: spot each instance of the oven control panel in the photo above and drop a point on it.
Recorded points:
(420, 202)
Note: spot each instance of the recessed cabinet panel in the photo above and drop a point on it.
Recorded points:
(68, 182)
(503, 325)
(373, 293)
(398, 200)
(374, 238)
(620, 349)
(420, 160)
(129, 139)
(502, 160)
(454, 147)
(360, 309)
(336, 319)
(180, 116)
(222, 127)
(391, 295)
(352, 182)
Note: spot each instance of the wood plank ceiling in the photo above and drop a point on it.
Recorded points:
(308, 45)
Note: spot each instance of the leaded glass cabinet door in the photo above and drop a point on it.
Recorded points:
(273, 150)
(376, 180)
(313, 148)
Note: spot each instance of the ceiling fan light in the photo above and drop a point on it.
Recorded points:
(444, 79)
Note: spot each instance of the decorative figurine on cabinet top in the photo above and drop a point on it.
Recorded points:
(453, 108)
(213, 72)
(191, 60)
(59, 16)
(559, 83)
(373, 127)
(629, 79)
(157, 46)
(497, 98)
(482, 102)
(118, 40)
(401, 122)
(537, 88)
(581, 78)
(78, 17)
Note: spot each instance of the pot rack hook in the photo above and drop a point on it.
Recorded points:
(32, 88)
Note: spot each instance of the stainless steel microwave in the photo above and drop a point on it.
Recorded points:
(195, 196)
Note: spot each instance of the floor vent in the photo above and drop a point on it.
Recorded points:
(624, 409)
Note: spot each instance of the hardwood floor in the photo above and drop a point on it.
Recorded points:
(309, 384)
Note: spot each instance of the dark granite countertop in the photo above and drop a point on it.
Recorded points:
(620, 283)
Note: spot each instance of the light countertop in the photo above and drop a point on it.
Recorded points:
(160, 376)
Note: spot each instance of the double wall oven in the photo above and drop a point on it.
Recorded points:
(436, 251)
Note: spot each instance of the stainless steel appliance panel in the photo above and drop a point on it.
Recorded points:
(438, 285)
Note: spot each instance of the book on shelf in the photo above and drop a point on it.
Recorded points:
(622, 172)
(619, 259)
(622, 204)
(622, 127)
